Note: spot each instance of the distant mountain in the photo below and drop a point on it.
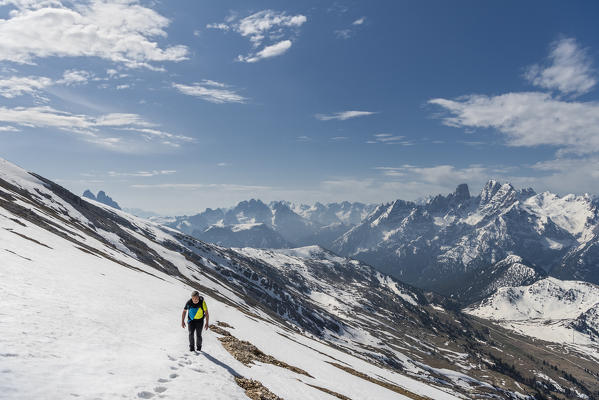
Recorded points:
(138, 212)
(455, 244)
(336, 324)
(549, 309)
(101, 198)
(244, 235)
(279, 224)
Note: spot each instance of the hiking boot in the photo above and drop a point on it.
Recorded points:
(199, 348)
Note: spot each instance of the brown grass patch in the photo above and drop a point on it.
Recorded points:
(255, 390)
(246, 353)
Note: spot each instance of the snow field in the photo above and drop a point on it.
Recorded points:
(77, 325)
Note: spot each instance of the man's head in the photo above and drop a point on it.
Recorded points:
(195, 296)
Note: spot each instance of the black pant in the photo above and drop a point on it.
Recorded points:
(195, 325)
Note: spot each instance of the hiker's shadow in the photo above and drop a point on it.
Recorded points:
(222, 364)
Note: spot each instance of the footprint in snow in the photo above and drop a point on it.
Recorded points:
(163, 380)
(173, 376)
(160, 389)
(145, 395)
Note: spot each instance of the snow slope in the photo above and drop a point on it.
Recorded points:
(549, 309)
(82, 318)
(91, 302)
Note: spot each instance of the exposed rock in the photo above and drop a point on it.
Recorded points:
(246, 353)
(256, 390)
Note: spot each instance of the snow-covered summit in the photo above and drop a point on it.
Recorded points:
(550, 309)
(444, 242)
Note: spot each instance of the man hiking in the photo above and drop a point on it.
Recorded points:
(196, 310)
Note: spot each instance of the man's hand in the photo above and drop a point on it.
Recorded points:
(207, 326)
(183, 324)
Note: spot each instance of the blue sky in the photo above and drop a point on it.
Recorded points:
(209, 103)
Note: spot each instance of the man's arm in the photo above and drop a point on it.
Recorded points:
(207, 319)
(183, 319)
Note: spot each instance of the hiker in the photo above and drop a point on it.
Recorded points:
(196, 310)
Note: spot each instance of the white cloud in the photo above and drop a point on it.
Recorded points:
(120, 31)
(343, 115)
(529, 119)
(269, 26)
(339, 138)
(267, 22)
(387, 138)
(74, 77)
(94, 129)
(8, 128)
(220, 26)
(303, 139)
(223, 164)
(569, 69)
(18, 86)
(269, 51)
(214, 92)
(123, 86)
(359, 21)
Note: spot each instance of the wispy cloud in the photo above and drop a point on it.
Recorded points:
(343, 115)
(343, 33)
(141, 173)
(438, 174)
(531, 119)
(269, 51)
(212, 91)
(123, 32)
(569, 69)
(15, 86)
(195, 186)
(271, 29)
(72, 77)
(93, 128)
(339, 138)
(387, 138)
(348, 32)
(303, 139)
(18, 86)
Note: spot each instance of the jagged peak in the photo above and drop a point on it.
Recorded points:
(492, 187)
(88, 194)
(462, 192)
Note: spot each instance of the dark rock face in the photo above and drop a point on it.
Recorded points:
(102, 197)
(88, 194)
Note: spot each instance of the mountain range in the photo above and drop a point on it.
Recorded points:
(278, 224)
(327, 325)
(457, 244)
